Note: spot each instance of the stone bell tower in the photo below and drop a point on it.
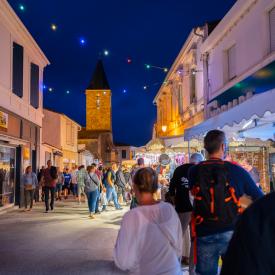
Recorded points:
(98, 102)
(97, 136)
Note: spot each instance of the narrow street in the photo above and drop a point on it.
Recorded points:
(63, 242)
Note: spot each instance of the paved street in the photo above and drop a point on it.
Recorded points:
(65, 241)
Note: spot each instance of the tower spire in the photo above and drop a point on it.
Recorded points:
(99, 80)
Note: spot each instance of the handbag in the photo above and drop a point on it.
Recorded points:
(28, 187)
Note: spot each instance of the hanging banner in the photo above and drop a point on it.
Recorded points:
(3, 120)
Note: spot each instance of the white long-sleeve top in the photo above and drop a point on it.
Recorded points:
(150, 241)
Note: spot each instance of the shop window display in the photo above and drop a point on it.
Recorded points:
(255, 161)
(7, 168)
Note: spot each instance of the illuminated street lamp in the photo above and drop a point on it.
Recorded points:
(164, 128)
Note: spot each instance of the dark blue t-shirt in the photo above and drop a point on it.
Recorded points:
(240, 180)
(67, 179)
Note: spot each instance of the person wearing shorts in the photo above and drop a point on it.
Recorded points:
(67, 182)
(59, 185)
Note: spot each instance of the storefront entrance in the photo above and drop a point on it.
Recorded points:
(7, 175)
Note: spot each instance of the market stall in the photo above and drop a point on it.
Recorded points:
(250, 128)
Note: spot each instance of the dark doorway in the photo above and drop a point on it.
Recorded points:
(18, 168)
(34, 161)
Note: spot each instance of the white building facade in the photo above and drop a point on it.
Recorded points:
(239, 83)
(21, 81)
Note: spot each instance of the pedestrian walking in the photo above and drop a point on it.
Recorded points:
(74, 181)
(110, 182)
(92, 184)
(41, 183)
(150, 237)
(179, 192)
(50, 177)
(120, 182)
(217, 186)
(59, 185)
(81, 176)
(67, 182)
(29, 182)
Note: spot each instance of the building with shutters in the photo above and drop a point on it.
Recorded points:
(97, 136)
(59, 140)
(21, 80)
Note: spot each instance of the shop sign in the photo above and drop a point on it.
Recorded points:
(4, 120)
(26, 153)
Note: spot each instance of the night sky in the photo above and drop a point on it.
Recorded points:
(146, 31)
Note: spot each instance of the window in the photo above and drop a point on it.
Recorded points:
(7, 176)
(180, 99)
(48, 156)
(17, 70)
(123, 154)
(272, 29)
(192, 87)
(231, 62)
(68, 133)
(34, 100)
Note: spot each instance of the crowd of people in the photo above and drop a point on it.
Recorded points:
(193, 217)
(95, 185)
(198, 220)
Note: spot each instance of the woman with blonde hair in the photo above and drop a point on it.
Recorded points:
(150, 237)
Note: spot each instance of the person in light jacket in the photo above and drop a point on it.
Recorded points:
(150, 237)
(29, 182)
(92, 184)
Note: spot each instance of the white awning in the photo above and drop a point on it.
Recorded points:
(260, 108)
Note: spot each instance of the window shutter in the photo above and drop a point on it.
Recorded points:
(272, 29)
(17, 70)
(34, 91)
(231, 62)
(180, 99)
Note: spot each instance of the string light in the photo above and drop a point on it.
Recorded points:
(82, 41)
(145, 87)
(44, 87)
(148, 66)
(53, 27)
(106, 52)
(67, 92)
(129, 60)
(50, 89)
(124, 91)
(21, 7)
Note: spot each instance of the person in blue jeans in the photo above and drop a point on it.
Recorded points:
(92, 184)
(110, 186)
(212, 241)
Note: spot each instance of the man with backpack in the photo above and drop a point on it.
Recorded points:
(216, 186)
(50, 177)
(179, 192)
